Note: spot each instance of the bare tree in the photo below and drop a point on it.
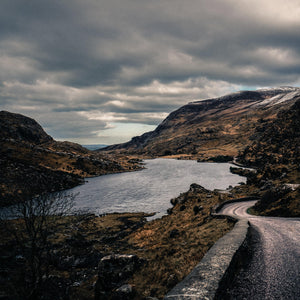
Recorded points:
(37, 220)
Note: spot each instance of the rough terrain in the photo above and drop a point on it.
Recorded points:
(166, 250)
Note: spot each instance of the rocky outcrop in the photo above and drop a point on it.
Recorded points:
(276, 141)
(184, 197)
(275, 153)
(113, 274)
(19, 127)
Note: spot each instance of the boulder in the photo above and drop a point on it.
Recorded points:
(196, 188)
(125, 292)
(113, 272)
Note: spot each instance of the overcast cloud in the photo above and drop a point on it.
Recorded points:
(101, 71)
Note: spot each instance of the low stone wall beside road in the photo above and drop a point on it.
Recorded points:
(217, 266)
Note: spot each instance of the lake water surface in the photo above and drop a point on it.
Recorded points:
(151, 189)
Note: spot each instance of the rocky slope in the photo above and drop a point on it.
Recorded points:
(21, 128)
(32, 163)
(275, 153)
(277, 141)
(220, 126)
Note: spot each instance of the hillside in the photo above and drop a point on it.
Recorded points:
(208, 128)
(276, 142)
(32, 162)
(275, 153)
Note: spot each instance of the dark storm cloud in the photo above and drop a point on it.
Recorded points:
(124, 60)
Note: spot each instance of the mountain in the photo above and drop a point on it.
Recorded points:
(275, 153)
(19, 127)
(276, 142)
(214, 127)
(32, 162)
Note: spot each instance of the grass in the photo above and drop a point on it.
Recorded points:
(172, 246)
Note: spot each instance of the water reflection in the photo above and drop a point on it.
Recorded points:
(151, 189)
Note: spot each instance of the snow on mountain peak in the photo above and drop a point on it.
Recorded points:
(282, 94)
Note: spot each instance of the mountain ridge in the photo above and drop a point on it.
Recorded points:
(211, 127)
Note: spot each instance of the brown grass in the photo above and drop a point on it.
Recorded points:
(172, 245)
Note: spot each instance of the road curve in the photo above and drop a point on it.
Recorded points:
(274, 269)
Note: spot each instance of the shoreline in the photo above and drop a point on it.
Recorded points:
(161, 242)
(103, 193)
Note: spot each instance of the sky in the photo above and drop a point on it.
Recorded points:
(103, 71)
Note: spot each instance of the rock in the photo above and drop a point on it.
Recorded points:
(283, 175)
(125, 292)
(87, 261)
(266, 185)
(182, 208)
(172, 280)
(197, 209)
(125, 289)
(20, 259)
(113, 272)
(181, 199)
(65, 262)
(196, 188)
(170, 211)
(173, 201)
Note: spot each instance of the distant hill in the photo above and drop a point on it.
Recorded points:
(212, 127)
(32, 162)
(21, 128)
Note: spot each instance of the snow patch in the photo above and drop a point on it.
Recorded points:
(280, 98)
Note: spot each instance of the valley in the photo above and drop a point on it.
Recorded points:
(257, 129)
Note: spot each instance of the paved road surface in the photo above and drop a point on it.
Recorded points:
(274, 271)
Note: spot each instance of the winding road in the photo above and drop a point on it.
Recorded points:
(274, 269)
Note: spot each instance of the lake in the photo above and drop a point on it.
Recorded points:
(151, 189)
